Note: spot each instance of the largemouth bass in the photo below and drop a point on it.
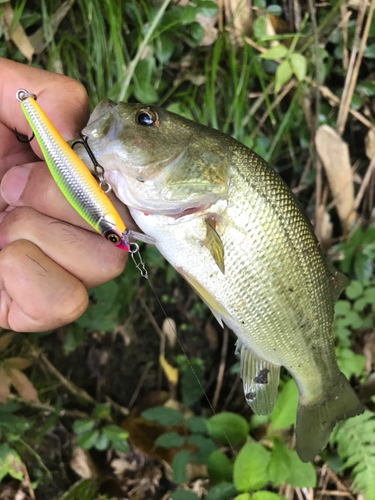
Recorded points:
(233, 229)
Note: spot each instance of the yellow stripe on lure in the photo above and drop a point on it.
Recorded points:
(74, 179)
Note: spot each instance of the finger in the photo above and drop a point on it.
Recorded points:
(86, 255)
(63, 99)
(13, 152)
(36, 294)
(32, 185)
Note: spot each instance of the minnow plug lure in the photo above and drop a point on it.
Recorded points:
(74, 179)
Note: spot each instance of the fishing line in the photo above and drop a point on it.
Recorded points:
(140, 265)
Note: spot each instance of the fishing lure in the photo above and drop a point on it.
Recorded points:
(75, 180)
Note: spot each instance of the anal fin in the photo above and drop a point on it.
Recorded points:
(260, 380)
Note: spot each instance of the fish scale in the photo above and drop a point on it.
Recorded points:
(233, 229)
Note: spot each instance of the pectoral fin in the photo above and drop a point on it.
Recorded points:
(217, 310)
(214, 244)
(260, 380)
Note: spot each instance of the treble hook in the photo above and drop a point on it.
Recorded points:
(99, 169)
(24, 141)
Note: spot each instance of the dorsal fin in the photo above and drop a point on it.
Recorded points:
(260, 380)
(339, 281)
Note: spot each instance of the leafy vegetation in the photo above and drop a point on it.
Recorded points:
(270, 85)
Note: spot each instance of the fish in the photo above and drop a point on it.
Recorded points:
(74, 179)
(228, 223)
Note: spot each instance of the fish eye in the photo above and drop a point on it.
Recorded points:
(146, 118)
(113, 238)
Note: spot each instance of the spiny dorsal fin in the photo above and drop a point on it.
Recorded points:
(339, 281)
(260, 380)
(214, 244)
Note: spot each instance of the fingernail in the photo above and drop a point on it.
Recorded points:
(14, 183)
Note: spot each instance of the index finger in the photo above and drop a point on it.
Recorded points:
(63, 99)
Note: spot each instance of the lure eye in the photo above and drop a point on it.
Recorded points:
(113, 238)
(146, 118)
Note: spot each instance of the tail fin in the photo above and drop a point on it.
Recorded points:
(315, 422)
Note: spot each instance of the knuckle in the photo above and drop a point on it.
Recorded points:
(73, 303)
(11, 254)
(20, 218)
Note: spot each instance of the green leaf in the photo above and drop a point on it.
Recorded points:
(102, 313)
(302, 474)
(275, 10)
(8, 460)
(191, 388)
(362, 266)
(258, 420)
(115, 433)
(88, 440)
(279, 465)
(228, 428)
(170, 440)
(74, 338)
(277, 52)
(205, 447)
(121, 446)
(10, 407)
(163, 415)
(197, 425)
(178, 465)
(207, 8)
(299, 65)
(369, 295)
(356, 102)
(84, 489)
(342, 307)
(222, 491)
(283, 74)
(102, 443)
(349, 362)
(188, 15)
(265, 495)
(369, 51)
(242, 496)
(183, 495)
(219, 467)
(164, 49)
(355, 438)
(84, 425)
(354, 290)
(102, 411)
(260, 27)
(352, 319)
(144, 89)
(250, 467)
(285, 410)
(196, 32)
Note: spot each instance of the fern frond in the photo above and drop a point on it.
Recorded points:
(356, 446)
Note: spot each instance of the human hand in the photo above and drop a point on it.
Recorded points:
(49, 255)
